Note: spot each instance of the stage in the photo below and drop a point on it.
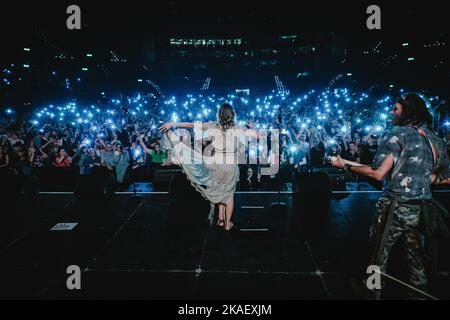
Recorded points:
(133, 246)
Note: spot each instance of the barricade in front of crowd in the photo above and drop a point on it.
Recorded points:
(278, 181)
(162, 177)
(11, 185)
(94, 185)
(57, 179)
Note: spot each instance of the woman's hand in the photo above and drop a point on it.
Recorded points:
(166, 126)
(338, 162)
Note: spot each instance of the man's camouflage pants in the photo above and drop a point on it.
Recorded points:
(399, 221)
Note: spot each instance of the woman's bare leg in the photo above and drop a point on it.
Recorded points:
(229, 206)
(221, 220)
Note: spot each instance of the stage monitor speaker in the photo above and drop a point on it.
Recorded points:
(188, 209)
(311, 203)
(337, 178)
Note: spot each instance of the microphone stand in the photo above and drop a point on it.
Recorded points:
(279, 206)
(133, 171)
(134, 182)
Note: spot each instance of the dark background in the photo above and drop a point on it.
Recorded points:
(139, 32)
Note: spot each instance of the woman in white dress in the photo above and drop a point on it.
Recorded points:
(216, 181)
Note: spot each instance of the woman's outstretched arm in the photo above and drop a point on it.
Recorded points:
(168, 125)
(183, 124)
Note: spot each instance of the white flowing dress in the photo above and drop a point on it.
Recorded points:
(215, 181)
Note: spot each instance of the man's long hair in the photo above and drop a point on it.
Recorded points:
(414, 110)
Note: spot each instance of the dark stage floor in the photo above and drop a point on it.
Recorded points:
(146, 247)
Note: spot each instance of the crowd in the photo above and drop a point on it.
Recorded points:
(120, 134)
